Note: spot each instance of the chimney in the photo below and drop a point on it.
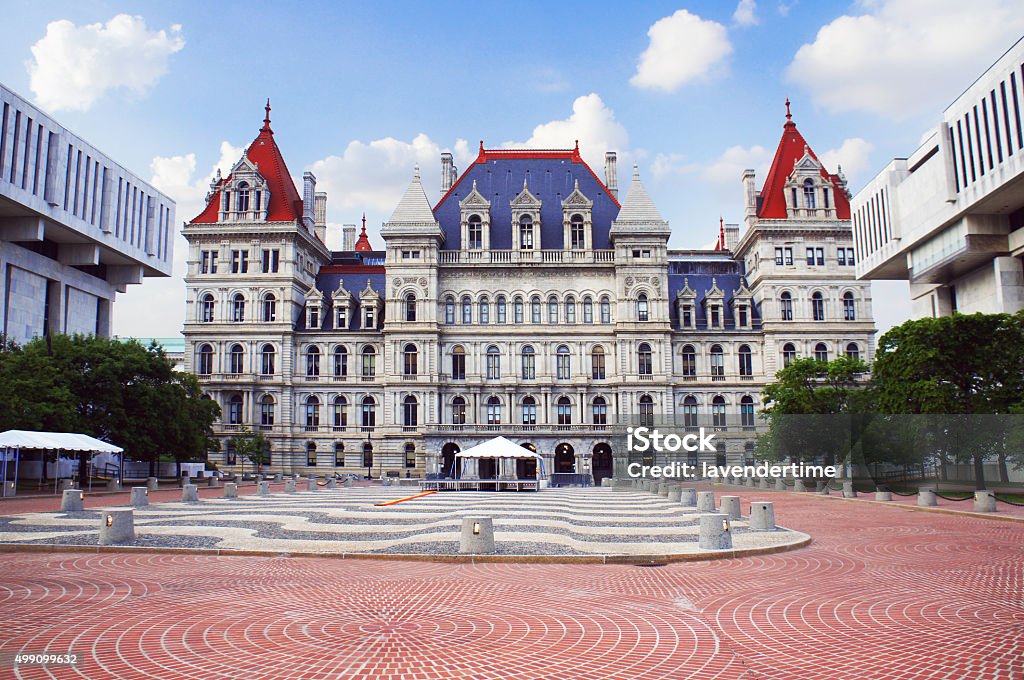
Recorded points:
(348, 237)
(320, 217)
(611, 174)
(447, 172)
(749, 197)
(308, 200)
(732, 236)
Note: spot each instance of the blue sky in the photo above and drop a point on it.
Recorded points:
(693, 92)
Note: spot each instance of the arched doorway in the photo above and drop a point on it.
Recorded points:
(448, 468)
(565, 458)
(526, 468)
(601, 466)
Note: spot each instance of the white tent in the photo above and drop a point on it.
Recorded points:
(16, 440)
(499, 447)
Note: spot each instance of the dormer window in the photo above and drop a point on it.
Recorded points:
(741, 315)
(687, 316)
(526, 233)
(341, 316)
(716, 316)
(369, 318)
(475, 232)
(242, 198)
(313, 320)
(810, 195)
(577, 233)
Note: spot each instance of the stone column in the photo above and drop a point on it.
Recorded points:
(117, 525)
(715, 532)
(477, 536)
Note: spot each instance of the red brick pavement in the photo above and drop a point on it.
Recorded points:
(883, 592)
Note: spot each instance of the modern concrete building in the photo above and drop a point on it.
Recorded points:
(531, 300)
(949, 217)
(76, 227)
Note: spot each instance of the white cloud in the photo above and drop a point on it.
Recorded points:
(746, 13)
(683, 49)
(72, 66)
(669, 164)
(728, 168)
(854, 155)
(904, 57)
(784, 7)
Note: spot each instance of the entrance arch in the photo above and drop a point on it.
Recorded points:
(526, 468)
(601, 466)
(448, 468)
(565, 458)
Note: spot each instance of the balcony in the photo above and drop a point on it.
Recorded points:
(527, 256)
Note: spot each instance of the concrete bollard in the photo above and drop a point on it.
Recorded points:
(114, 484)
(882, 495)
(762, 483)
(212, 482)
(748, 481)
(675, 493)
(798, 485)
(331, 483)
(117, 525)
(73, 500)
(477, 536)
(231, 490)
(730, 505)
(824, 489)
(848, 490)
(688, 497)
(289, 485)
(140, 496)
(152, 483)
(706, 501)
(348, 482)
(780, 484)
(201, 474)
(715, 533)
(263, 489)
(278, 477)
(190, 493)
(259, 478)
(663, 489)
(984, 501)
(926, 497)
(311, 484)
(184, 479)
(64, 485)
(762, 516)
(607, 481)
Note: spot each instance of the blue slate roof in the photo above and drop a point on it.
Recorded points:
(550, 177)
(702, 271)
(355, 283)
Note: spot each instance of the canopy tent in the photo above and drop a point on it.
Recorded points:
(17, 440)
(499, 448)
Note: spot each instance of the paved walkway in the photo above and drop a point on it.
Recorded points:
(883, 592)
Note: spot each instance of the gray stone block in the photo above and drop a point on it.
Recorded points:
(263, 488)
(780, 484)
(762, 483)
(715, 532)
(114, 484)
(117, 525)
(926, 497)
(331, 483)
(348, 483)
(748, 481)
(73, 500)
(675, 493)
(152, 483)
(190, 493)
(311, 484)
(688, 497)
(706, 501)
(64, 485)
(762, 516)
(477, 536)
(798, 485)
(140, 496)
(607, 481)
(730, 505)
(883, 495)
(212, 482)
(823, 489)
(663, 489)
(231, 490)
(848, 490)
(289, 485)
(984, 501)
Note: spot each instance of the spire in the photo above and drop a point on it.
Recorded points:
(363, 244)
(789, 115)
(638, 206)
(414, 206)
(720, 244)
(266, 119)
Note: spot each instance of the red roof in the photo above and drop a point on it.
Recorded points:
(363, 244)
(285, 203)
(791, 149)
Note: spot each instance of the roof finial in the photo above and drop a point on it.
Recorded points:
(789, 116)
(266, 118)
(416, 175)
(481, 146)
(636, 171)
(364, 222)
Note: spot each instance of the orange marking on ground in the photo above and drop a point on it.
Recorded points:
(402, 500)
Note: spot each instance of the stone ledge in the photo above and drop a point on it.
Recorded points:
(917, 508)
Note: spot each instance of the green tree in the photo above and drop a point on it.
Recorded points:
(251, 445)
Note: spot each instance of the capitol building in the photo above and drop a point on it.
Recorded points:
(534, 300)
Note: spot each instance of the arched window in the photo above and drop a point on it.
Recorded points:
(475, 232)
(641, 308)
(484, 311)
(340, 361)
(562, 369)
(312, 362)
(645, 364)
(535, 309)
(564, 411)
(206, 306)
(269, 307)
(493, 363)
(205, 359)
(810, 201)
(600, 411)
(493, 411)
(410, 455)
(849, 307)
(517, 310)
(369, 412)
(238, 308)
(267, 360)
(597, 363)
(821, 352)
(449, 310)
(500, 309)
(410, 307)
(852, 351)
(577, 236)
(718, 412)
(458, 364)
(237, 359)
(410, 360)
(747, 412)
(818, 306)
(267, 412)
(606, 310)
(367, 455)
(570, 309)
(526, 233)
(458, 411)
(746, 364)
(788, 354)
(369, 361)
(467, 309)
(340, 412)
(410, 412)
(786, 306)
(529, 361)
(646, 411)
(689, 361)
(552, 309)
(242, 197)
(310, 454)
(235, 410)
(339, 454)
(717, 363)
(690, 413)
(588, 310)
(529, 411)
(312, 412)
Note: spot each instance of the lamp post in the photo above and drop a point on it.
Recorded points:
(369, 461)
